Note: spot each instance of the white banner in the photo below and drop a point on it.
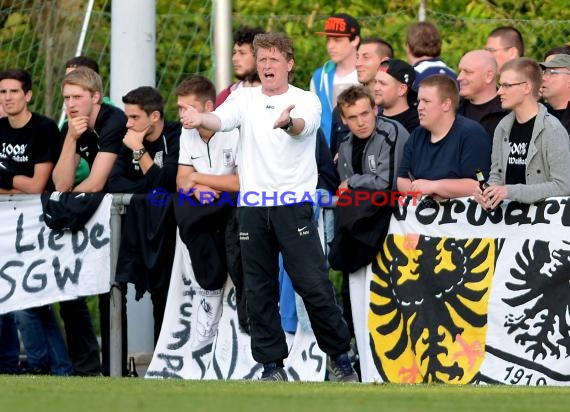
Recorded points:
(200, 337)
(458, 295)
(39, 266)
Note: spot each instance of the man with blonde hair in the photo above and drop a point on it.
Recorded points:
(94, 131)
(278, 124)
(531, 154)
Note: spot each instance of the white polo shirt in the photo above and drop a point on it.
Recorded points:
(216, 157)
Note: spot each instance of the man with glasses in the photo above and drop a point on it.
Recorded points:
(556, 87)
(505, 43)
(530, 160)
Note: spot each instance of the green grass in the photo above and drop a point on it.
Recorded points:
(46, 394)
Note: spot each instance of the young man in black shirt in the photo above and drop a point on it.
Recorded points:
(94, 132)
(29, 145)
(149, 155)
(148, 160)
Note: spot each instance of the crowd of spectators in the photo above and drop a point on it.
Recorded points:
(370, 121)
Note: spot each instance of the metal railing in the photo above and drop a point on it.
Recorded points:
(118, 208)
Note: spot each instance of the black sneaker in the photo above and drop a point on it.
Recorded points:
(273, 372)
(341, 369)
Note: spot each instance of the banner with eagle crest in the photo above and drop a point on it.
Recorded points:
(460, 295)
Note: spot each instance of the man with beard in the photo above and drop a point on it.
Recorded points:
(393, 92)
(243, 62)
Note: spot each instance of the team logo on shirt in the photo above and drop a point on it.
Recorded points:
(372, 163)
(228, 155)
(159, 158)
(84, 151)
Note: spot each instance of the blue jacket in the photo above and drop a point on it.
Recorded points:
(322, 85)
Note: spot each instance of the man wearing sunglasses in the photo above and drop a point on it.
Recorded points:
(556, 87)
(530, 160)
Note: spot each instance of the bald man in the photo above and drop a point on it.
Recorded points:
(477, 85)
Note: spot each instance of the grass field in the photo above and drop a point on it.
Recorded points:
(46, 394)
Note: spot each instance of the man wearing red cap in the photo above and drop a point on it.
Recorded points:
(343, 37)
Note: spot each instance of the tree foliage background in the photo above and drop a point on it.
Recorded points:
(40, 35)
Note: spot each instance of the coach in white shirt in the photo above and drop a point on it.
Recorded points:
(278, 123)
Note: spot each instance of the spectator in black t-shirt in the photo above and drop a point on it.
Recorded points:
(148, 160)
(29, 140)
(531, 151)
(29, 145)
(477, 85)
(94, 132)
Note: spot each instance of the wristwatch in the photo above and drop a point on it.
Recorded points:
(137, 154)
(289, 125)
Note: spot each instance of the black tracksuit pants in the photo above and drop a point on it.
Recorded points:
(264, 232)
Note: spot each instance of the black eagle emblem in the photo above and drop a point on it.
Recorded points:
(542, 280)
(425, 292)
